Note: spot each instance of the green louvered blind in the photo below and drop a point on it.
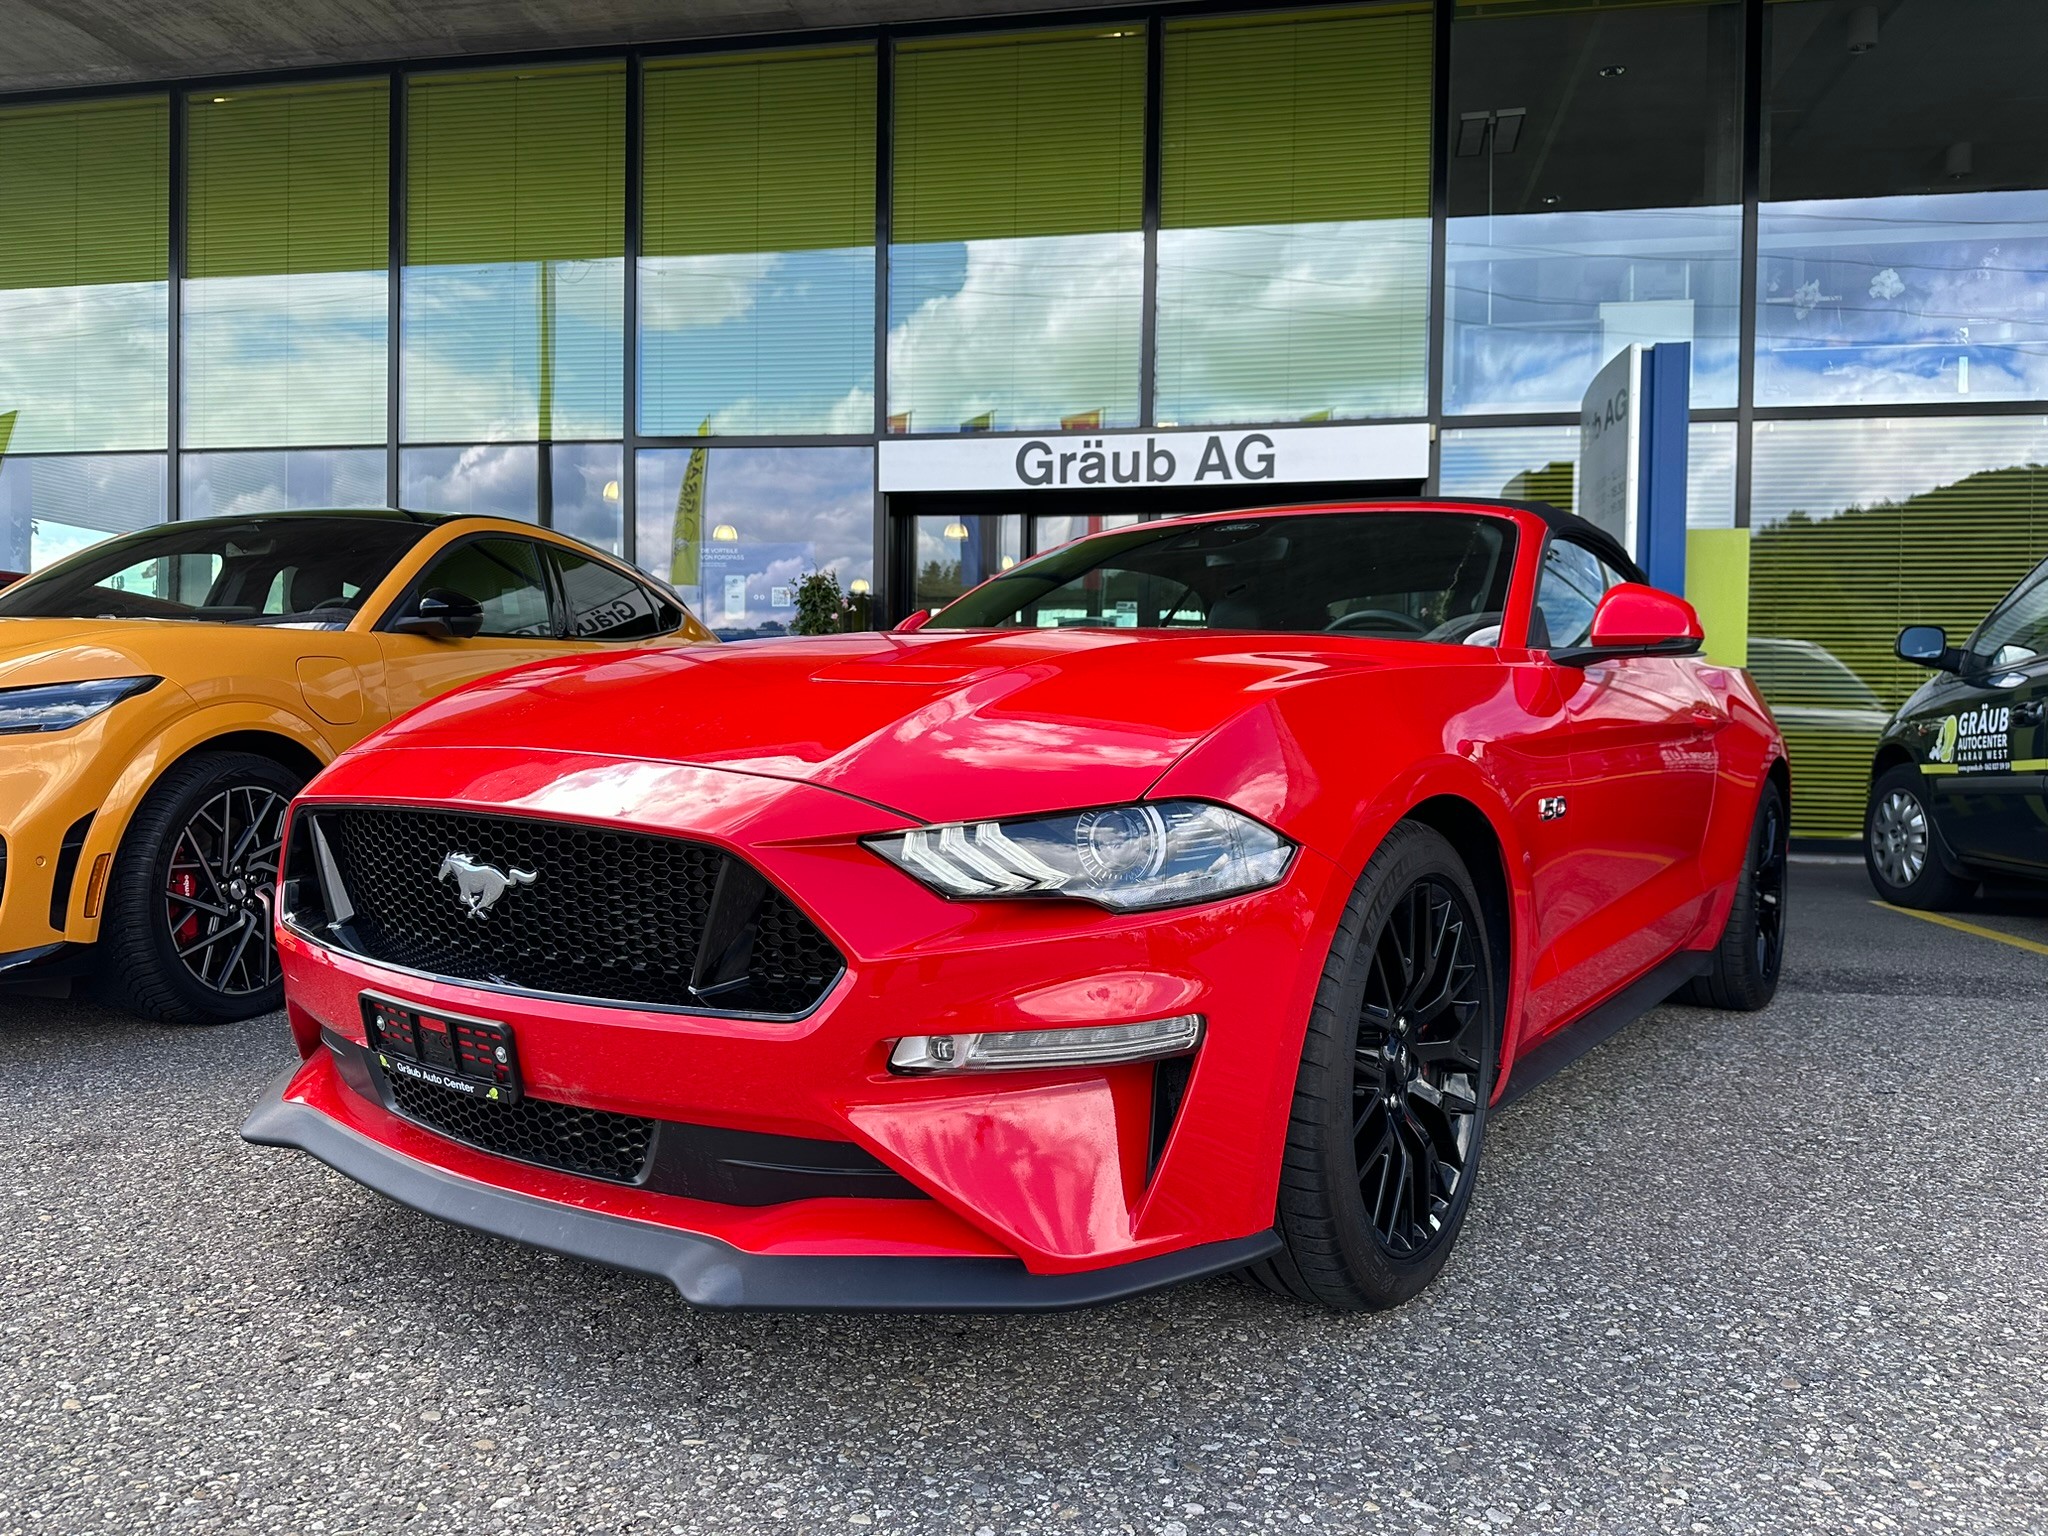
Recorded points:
(1294, 217)
(288, 181)
(525, 166)
(1296, 121)
(86, 197)
(287, 241)
(87, 194)
(1038, 134)
(1861, 528)
(515, 239)
(759, 153)
(757, 262)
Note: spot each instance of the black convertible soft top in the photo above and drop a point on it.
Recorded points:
(1575, 527)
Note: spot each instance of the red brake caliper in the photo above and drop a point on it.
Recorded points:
(185, 883)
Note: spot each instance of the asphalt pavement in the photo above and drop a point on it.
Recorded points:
(1784, 1272)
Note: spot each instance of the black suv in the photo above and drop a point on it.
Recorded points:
(1959, 790)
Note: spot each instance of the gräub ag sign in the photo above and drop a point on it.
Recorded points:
(1062, 461)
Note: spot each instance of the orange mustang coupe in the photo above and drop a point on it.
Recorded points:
(163, 695)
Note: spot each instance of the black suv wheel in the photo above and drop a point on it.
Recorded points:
(185, 937)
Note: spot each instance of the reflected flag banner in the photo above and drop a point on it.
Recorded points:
(6, 429)
(689, 539)
(1086, 421)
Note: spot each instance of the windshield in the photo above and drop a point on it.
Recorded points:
(1439, 576)
(2017, 629)
(312, 572)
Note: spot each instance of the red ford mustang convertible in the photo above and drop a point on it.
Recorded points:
(1180, 901)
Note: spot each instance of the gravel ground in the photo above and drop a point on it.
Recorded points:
(1778, 1272)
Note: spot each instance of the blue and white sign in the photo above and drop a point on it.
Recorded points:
(1633, 431)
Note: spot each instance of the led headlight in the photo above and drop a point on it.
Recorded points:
(1126, 857)
(59, 706)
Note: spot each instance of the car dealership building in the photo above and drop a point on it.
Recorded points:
(910, 290)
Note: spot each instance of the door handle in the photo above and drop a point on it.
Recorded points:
(2028, 713)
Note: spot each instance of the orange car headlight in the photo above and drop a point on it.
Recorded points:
(44, 707)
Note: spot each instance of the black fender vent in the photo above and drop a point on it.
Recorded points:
(67, 869)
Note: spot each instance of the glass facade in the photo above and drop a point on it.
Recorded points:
(955, 551)
(1294, 222)
(52, 505)
(1541, 464)
(1902, 232)
(273, 480)
(491, 479)
(734, 529)
(757, 247)
(84, 277)
(514, 301)
(1861, 527)
(1562, 245)
(1017, 253)
(286, 280)
(683, 337)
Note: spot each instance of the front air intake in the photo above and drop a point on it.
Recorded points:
(562, 908)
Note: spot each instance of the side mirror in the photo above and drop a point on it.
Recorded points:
(1926, 645)
(917, 620)
(441, 614)
(1635, 620)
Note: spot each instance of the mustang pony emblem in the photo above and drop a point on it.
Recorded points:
(480, 885)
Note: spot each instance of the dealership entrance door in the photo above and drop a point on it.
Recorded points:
(943, 542)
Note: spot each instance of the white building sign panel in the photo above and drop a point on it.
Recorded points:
(1070, 462)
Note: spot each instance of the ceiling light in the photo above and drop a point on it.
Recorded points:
(725, 533)
(1503, 127)
(860, 587)
(1613, 71)
(1863, 25)
(611, 490)
(1008, 561)
(219, 101)
(956, 529)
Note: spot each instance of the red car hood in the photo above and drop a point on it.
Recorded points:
(937, 726)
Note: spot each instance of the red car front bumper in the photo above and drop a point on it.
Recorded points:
(1004, 1190)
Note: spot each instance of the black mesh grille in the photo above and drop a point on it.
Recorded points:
(610, 915)
(592, 1142)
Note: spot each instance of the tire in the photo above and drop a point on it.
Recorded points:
(1899, 849)
(1368, 1216)
(179, 886)
(1751, 954)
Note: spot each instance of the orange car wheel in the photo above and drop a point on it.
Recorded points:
(186, 934)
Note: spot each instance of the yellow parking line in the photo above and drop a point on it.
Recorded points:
(1962, 927)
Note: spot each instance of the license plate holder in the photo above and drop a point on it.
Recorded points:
(454, 1051)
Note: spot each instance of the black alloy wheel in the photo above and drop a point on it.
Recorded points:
(218, 891)
(1397, 1066)
(1421, 1030)
(186, 934)
(1767, 888)
(1743, 968)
